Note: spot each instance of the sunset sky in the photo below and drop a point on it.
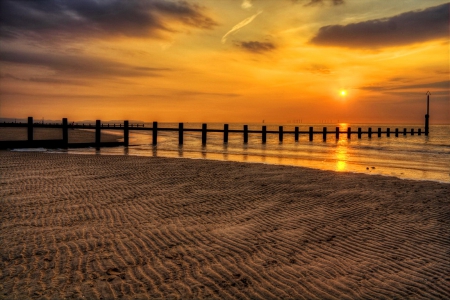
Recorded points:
(225, 60)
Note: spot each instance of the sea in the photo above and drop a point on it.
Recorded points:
(416, 157)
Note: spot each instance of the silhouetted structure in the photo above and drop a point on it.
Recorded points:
(427, 116)
(126, 127)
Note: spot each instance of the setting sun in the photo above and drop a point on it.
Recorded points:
(343, 93)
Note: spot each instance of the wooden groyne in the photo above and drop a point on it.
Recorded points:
(126, 127)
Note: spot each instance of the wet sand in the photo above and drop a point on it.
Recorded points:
(104, 227)
(75, 135)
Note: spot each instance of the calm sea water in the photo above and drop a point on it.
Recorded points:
(410, 157)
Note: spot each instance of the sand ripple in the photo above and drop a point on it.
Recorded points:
(104, 227)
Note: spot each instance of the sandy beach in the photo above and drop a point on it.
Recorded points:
(106, 227)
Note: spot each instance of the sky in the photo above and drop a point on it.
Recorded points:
(309, 61)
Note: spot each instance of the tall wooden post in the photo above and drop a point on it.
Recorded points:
(324, 134)
(396, 132)
(337, 133)
(245, 134)
(370, 132)
(311, 133)
(97, 133)
(427, 116)
(296, 134)
(264, 134)
(126, 133)
(349, 133)
(225, 133)
(388, 132)
(180, 133)
(30, 129)
(65, 129)
(155, 133)
(379, 132)
(404, 131)
(412, 131)
(359, 132)
(280, 134)
(204, 134)
(419, 131)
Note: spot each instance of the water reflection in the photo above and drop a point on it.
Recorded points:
(341, 156)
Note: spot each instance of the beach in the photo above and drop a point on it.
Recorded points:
(110, 226)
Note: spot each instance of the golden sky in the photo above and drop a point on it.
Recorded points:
(225, 60)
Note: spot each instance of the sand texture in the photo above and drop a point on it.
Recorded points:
(104, 227)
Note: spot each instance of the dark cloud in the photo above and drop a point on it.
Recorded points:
(318, 2)
(79, 66)
(315, 2)
(406, 28)
(87, 18)
(255, 46)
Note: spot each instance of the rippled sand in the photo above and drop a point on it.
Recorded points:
(103, 227)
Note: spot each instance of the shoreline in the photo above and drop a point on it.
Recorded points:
(150, 227)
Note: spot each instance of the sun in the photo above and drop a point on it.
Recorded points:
(343, 93)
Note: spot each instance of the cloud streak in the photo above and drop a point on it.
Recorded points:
(443, 85)
(86, 18)
(239, 25)
(256, 47)
(79, 66)
(406, 28)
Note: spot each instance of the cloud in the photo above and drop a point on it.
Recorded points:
(445, 85)
(246, 4)
(255, 46)
(406, 28)
(315, 2)
(240, 25)
(319, 2)
(79, 66)
(87, 18)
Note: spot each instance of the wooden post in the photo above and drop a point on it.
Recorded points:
(225, 133)
(324, 134)
(359, 132)
(204, 134)
(126, 134)
(388, 132)
(337, 133)
(245, 134)
(97, 132)
(30, 129)
(180, 133)
(396, 132)
(311, 134)
(379, 132)
(155, 133)
(370, 132)
(296, 134)
(427, 116)
(65, 129)
(349, 133)
(412, 131)
(264, 134)
(419, 131)
(280, 134)
(404, 131)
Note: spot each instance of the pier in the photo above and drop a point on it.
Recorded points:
(30, 142)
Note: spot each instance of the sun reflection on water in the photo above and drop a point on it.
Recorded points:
(341, 156)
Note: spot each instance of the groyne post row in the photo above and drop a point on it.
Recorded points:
(126, 127)
(281, 133)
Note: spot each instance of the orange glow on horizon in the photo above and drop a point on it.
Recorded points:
(183, 70)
